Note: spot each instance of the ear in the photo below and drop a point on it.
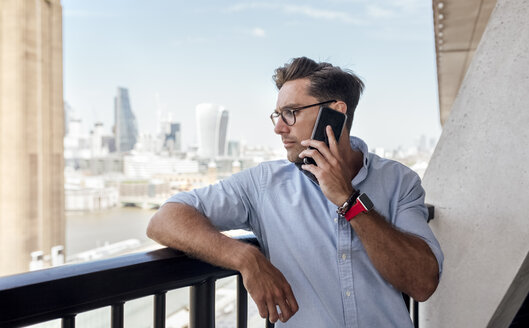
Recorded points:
(340, 106)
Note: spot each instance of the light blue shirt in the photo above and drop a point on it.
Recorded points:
(320, 255)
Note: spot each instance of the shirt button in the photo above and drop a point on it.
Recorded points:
(347, 293)
(344, 256)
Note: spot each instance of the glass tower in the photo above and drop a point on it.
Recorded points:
(125, 126)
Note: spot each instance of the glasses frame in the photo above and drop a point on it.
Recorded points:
(276, 114)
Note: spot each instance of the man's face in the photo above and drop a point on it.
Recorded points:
(295, 94)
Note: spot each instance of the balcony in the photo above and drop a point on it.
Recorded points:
(66, 291)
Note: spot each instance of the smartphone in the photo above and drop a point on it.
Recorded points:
(326, 116)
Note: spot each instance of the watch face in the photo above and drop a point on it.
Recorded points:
(366, 201)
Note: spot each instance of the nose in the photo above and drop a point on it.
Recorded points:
(281, 127)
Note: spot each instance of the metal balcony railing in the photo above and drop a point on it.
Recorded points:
(65, 291)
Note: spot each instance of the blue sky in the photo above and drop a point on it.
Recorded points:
(173, 55)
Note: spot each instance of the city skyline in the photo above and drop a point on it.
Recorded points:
(225, 53)
(169, 133)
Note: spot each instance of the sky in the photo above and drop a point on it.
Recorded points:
(172, 55)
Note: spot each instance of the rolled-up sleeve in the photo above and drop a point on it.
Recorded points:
(412, 217)
(228, 204)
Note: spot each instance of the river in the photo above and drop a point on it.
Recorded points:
(89, 230)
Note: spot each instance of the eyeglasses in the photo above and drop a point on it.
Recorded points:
(288, 114)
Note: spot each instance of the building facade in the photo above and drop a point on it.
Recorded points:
(31, 131)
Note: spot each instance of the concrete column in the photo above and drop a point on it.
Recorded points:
(478, 180)
(31, 131)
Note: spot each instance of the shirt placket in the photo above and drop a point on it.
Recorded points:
(345, 269)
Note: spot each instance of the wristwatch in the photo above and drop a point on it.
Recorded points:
(348, 203)
(363, 204)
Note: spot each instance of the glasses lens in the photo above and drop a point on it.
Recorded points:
(288, 116)
(274, 117)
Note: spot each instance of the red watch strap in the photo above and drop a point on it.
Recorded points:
(356, 209)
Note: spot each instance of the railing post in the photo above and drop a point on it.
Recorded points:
(415, 313)
(407, 301)
(202, 305)
(242, 304)
(159, 310)
(116, 316)
(68, 322)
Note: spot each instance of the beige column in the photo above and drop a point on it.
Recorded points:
(31, 131)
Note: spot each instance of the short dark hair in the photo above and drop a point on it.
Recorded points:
(326, 82)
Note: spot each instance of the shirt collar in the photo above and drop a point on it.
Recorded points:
(359, 145)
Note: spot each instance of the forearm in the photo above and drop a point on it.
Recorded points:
(182, 227)
(404, 260)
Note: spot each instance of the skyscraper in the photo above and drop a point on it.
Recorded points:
(125, 126)
(212, 129)
(31, 131)
(172, 136)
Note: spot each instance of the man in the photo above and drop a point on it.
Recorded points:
(318, 269)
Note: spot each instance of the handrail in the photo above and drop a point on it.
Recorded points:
(65, 291)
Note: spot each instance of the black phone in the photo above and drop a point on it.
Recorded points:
(326, 116)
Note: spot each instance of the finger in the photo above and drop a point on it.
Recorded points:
(272, 311)
(333, 143)
(293, 304)
(263, 310)
(312, 169)
(315, 155)
(286, 312)
(291, 300)
(319, 145)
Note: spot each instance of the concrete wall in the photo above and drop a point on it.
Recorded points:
(31, 131)
(478, 180)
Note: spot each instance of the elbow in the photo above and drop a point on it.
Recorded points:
(426, 290)
(427, 279)
(152, 228)
(160, 226)
(149, 231)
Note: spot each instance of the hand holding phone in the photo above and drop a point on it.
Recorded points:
(326, 116)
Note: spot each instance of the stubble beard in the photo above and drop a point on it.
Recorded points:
(293, 154)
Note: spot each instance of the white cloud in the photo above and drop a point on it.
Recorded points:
(355, 12)
(411, 4)
(258, 32)
(250, 5)
(407, 6)
(307, 11)
(320, 13)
